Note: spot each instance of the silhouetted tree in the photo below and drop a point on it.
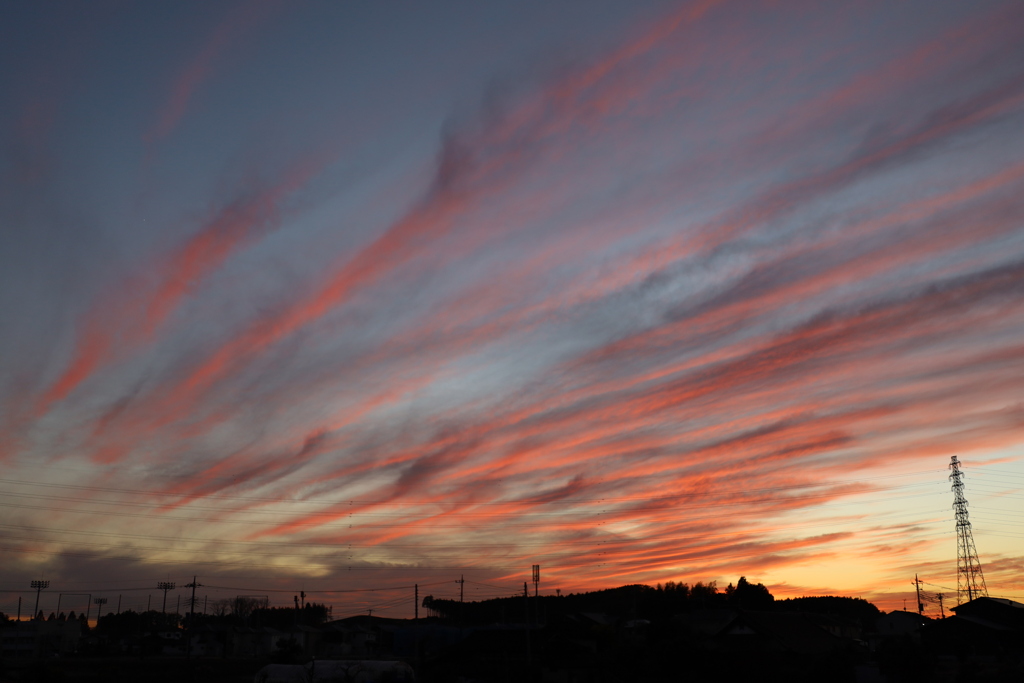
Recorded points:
(128, 622)
(313, 614)
(749, 596)
(680, 590)
(244, 607)
(220, 608)
(704, 594)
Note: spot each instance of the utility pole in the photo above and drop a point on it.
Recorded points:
(462, 585)
(39, 586)
(192, 602)
(942, 611)
(970, 582)
(536, 592)
(526, 605)
(917, 586)
(299, 603)
(118, 603)
(191, 616)
(416, 618)
(19, 608)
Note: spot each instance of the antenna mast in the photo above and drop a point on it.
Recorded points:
(970, 582)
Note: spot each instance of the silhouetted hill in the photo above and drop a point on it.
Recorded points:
(638, 601)
(852, 609)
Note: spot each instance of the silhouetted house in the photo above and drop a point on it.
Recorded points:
(840, 628)
(732, 630)
(791, 632)
(424, 638)
(208, 640)
(997, 611)
(577, 646)
(243, 642)
(356, 637)
(170, 642)
(272, 640)
(899, 623)
(705, 623)
(361, 670)
(39, 638)
(331, 671)
(364, 637)
(595, 620)
(483, 651)
(634, 631)
(983, 626)
(282, 673)
(379, 638)
(307, 638)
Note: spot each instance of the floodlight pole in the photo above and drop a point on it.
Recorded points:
(165, 586)
(99, 608)
(39, 586)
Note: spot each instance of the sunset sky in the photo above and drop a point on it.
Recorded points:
(342, 296)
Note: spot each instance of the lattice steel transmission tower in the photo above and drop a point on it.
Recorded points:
(970, 582)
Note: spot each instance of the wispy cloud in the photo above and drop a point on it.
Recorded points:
(677, 308)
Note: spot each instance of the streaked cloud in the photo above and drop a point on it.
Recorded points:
(717, 294)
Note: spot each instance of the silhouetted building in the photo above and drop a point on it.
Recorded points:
(999, 612)
(900, 623)
(39, 638)
(983, 633)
